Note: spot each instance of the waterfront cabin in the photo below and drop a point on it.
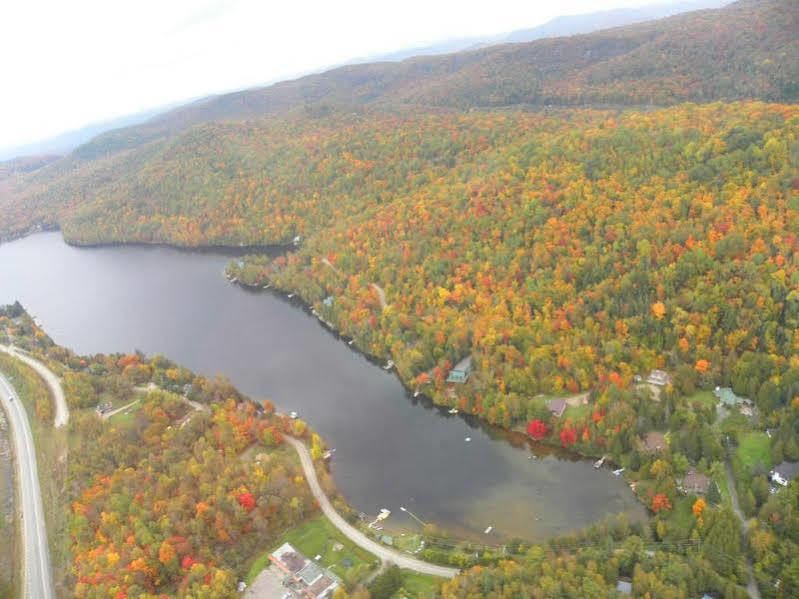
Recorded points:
(556, 407)
(461, 372)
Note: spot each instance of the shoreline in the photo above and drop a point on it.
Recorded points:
(230, 251)
(514, 436)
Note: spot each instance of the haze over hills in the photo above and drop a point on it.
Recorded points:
(559, 26)
(67, 141)
(745, 50)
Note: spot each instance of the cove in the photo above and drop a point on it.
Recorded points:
(391, 450)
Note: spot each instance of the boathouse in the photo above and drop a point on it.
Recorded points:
(461, 372)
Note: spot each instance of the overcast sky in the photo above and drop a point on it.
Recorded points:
(67, 63)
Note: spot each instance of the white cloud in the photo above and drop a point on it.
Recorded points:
(67, 64)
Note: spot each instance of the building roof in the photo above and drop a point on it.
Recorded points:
(310, 573)
(695, 482)
(322, 586)
(624, 587)
(293, 560)
(654, 441)
(727, 396)
(787, 470)
(464, 365)
(659, 377)
(557, 407)
(461, 371)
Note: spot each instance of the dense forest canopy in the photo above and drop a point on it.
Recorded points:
(570, 213)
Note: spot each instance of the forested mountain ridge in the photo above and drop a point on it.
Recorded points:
(745, 50)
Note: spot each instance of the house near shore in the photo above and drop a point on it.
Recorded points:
(695, 483)
(461, 372)
(313, 581)
(659, 378)
(556, 407)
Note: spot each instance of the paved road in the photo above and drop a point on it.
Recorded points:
(355, 535)
(751, 586)
(61, 410)
(38, 582)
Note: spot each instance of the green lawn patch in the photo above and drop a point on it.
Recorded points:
(318, 537)
(420, 586)
(755, 448)
(125, 416)
(702, 397)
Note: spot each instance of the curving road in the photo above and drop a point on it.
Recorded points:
(38, 582)
(61, 411)
(355, 535)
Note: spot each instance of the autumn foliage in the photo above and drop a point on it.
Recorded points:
(537, 429)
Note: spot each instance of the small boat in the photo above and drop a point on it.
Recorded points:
(618, 472)
(599, 462)
(267, 286)
(452, 411)
(488, 530)
(293, 415)
(416, 393)
(290, 295)
(389, 365)
(467, 439)
(351, 341)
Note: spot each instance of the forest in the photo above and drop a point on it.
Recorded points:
(571, 214)
(163, 500)
(743, 51)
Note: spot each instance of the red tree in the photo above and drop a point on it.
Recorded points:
(568, 436)
(537, 429)
(246, 500)
(660, 502)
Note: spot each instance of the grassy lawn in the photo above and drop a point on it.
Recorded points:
(125, 416)
(51, 458)
(318, 537)
(721, 481)
(702, 397)
(755, 448)
(419, 585)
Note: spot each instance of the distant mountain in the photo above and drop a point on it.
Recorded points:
(559, 26)
(746, 50)
(69, 140)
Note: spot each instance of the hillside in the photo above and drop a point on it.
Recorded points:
(745, 50)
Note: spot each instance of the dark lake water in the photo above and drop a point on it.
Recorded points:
(390, 450)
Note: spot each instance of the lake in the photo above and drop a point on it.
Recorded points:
(391, 450)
